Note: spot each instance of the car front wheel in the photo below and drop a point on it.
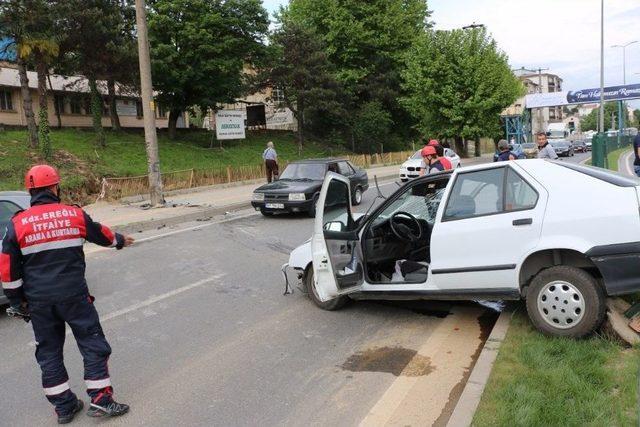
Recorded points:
(565, 301)
(309, 284)
(357, 196)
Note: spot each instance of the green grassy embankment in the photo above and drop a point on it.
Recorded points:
(540, 381)
(82, 164)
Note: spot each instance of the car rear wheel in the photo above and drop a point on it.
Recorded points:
(565, 301)
(309, 284)
(357, 196)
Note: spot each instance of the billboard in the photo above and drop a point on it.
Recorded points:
(584, 96)
(230, 124)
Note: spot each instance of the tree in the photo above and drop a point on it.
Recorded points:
(458, 83)
(12, 18)
(366, 42)
(199, 49)
(92, 30)
(40, 44)
(300, 68)
(636, 117)
(590, 122)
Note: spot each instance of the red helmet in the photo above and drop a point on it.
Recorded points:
(433, 143)
(41, 176)
(428, 151)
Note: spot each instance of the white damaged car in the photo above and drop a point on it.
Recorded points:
(562, 236)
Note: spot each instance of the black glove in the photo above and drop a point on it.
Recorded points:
(19, 311)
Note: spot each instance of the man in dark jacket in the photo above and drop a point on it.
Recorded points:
(42, 273)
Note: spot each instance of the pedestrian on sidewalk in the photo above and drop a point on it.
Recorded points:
(505, 151)
(636, 152)
(42, 270)
(270, 162)
(545, 151)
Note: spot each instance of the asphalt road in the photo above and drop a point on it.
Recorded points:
(202, 335)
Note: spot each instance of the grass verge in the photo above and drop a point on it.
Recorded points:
(82, 163)
(541, 381)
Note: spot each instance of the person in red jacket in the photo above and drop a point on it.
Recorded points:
(42, 270)
(446, 163)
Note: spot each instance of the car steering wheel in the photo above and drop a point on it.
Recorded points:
(412, 232)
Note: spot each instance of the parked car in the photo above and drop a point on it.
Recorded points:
(563, 148)
(579, 147)
(530, 150)
(506, 230)
(516, 149)
(298, 188)
(10, 203)
(588, 143)
(411, 168)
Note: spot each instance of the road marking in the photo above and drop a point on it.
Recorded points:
(161, 297)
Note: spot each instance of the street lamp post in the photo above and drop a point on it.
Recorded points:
(621, 121)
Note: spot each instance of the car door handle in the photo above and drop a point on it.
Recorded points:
(522, 221)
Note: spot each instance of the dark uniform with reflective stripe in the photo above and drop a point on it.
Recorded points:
(42, 263)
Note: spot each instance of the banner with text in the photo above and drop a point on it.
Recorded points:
(230, 124)
(584, 96)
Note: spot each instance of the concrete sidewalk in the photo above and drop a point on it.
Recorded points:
(201, 203)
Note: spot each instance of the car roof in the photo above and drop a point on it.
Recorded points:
(322, 160)
(13, 194)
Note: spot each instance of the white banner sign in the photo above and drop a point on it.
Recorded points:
(280, 117)
(230, 124)
(550, 99)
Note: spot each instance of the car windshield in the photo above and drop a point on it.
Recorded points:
(420, 200)
(304, 171)
(559, 144)
(516, 147)
(7, 210)
(417, 155)
(528, 145)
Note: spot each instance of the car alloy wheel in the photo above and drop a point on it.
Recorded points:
(357, 196)
(561, 304)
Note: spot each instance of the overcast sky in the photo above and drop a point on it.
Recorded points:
(562, 35)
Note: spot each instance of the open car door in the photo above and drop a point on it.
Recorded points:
(337, 256)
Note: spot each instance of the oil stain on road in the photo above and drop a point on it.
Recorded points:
(393, 360)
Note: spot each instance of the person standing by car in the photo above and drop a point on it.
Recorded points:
(430, 162)
(545, 151)
(42, 270)
(446, 163)
(636, 152)
(505, 151)
(270, 158)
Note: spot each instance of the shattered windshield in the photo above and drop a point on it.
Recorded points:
(421, 201)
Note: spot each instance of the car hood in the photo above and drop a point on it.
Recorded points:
(285, 186)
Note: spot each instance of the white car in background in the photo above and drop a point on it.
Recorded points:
(411, 168)
(532, 229)
(10, 203)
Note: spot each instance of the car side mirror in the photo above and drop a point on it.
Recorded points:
(334, 226)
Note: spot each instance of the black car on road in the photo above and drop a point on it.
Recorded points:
(298, 188)
(562, 148)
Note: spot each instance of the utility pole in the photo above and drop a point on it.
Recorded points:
(621, 113)
(148, 107)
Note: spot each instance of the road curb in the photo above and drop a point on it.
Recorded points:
(462, 415)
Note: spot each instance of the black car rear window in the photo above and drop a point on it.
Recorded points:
(602, 174)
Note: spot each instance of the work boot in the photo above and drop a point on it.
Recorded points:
(107, 409)
(67, 418)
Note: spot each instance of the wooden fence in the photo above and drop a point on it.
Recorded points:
(117, 188)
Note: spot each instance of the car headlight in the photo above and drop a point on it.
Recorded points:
(297, 196)
(258, 197)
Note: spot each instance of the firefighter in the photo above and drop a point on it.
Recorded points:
(42, 272)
